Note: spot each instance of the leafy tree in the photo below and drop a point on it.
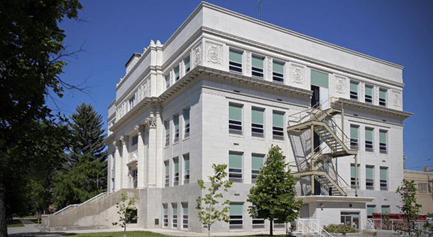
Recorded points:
(208, 209)
(126, 212)
(30, 65)
(410, 209)
(273, 196)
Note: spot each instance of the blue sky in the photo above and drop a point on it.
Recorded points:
(393, 30)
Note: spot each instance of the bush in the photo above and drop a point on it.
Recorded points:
(340, 228)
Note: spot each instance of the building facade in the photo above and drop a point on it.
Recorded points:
(424, 183)
(222, 90)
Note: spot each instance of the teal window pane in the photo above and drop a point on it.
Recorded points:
(369, 134)
(382, 94)
(369, 90)
(174, 209)
(167, 127)
(257, 162)
(319, 78)
(235, 112)
(236, 208)
(176, 165)
(235, 161)
(279, 67)
(257, 62)
(385, 209)
(354, 86)
(166, 167)
(382, 136)
(167, 80)
(383, 173)
(186, 162)
(354, 131)
(185, 208)
(369, 172)
(187, 62)
(235, 56)
(352, 170)
(176, 121)
(176, 72)
(164, 206)
(186, 116)
(278, 119)
(257, 116)
(370, 210)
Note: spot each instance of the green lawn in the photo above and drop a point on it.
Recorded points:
(118, 234)
(15, 223)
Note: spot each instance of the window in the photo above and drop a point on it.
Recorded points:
(186, 62)
(382, 142)
(186, 169)
(132, 216)
(167, 173)
(176, 73)
(368, 94)
(134, 140)
(167, 132)
(235, 167)
(370, 210)
(236, 217)
(368, 139)
(279, 224)
(186, 122)
(165, 217)
(176, 171)
(257, 66)
(235, 61)
(422, 187)
(131, 102)
(354, 137)
(185, 215)
(385, 209)
(382, 97)
(134, 176)
(352, 176)
(257, 164)
(383, 178)
(235, 119)
(167, 81)
(353, 90)
(257, 122)
(174, 215)
(369, 177)
(278, 72)
(176, 127)
(278, 125)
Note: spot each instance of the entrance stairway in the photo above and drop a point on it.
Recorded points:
(317, 162)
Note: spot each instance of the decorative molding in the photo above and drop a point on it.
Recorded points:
(376, 95)
(214, 53)
(298, 74)
(197, 55)
(151, 121)
(139, 129)
(374, 108)
(341, 84)
(133, 156)
(125, 140)
(396, 98)
(361, 95)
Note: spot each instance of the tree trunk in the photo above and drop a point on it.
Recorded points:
(272, 228)
(208, 230)
(124, 232)
(3, 224)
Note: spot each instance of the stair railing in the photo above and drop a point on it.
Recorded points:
(73, 206)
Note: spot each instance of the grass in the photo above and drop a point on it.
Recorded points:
(15, 223)
(118, 234)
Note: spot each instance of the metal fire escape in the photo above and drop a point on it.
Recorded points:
(317, 162)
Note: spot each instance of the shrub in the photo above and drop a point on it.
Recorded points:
(340, 228)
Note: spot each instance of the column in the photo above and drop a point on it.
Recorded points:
(152, 163)
(125, 159)
(141, 161)
(117, 165)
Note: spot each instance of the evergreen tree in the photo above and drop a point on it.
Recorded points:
(84, 175)
(273, 196)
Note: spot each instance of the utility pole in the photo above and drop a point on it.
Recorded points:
(260, 9)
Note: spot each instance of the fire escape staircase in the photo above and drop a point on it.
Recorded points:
(318, 164)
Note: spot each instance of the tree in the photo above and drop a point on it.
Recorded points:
(273, 196)
(126, 211)
(410, 209)
(84, 173)
(208, 209)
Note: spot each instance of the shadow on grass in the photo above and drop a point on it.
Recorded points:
(15, 223)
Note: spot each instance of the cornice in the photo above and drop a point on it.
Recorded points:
(296, 34)
(299, 56)
(148, 101)
(109, 139)
(374, 108)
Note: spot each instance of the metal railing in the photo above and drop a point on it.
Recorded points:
(310, 226)
(392, 224)
(72, 206)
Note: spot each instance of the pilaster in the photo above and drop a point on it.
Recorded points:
(141, 158)
(125, 159)
(152, 161)
(117, 166)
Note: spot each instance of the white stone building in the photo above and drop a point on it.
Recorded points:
(222, 89)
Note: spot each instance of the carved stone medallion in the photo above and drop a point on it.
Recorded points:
(298, 74)
(396, 98)
(214, 53)
(197, 55)
(340, 85)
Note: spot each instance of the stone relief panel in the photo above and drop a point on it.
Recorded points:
(214, 53)
(298, 74)
(340, 84)
(197, 55)
(396, 98)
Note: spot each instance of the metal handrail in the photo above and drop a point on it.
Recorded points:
(63, 210)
